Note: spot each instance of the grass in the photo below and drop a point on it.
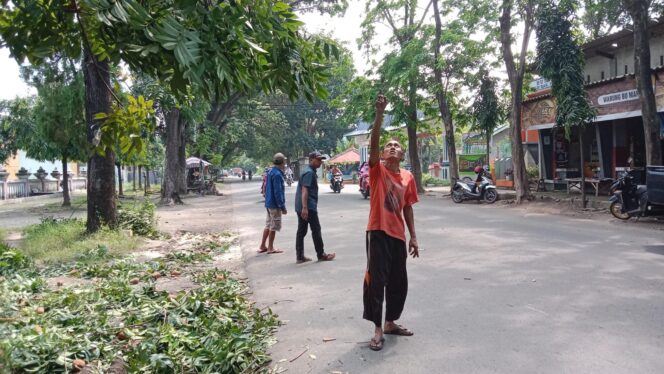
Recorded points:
(78, 201)
(64, 240)
(3, 234)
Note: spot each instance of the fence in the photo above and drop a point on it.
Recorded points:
(23, 188)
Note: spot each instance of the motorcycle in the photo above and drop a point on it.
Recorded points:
(337, 183)
(630, 199)
(289, 180)
(364, 185)
(463, 190)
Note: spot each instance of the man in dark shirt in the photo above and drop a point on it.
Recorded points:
(275, 204)
(306, 207)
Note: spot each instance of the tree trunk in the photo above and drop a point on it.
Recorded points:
(443, 106)
(120, 190)
(515, 75)
(414, 156)
(170, 193)
(182, 158)
(638, 10)
(583, 170)
(66, 198)
(133, 179)
(140, 177)
(488, 150)
(102, 207)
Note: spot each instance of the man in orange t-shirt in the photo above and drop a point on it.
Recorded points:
(393, 193)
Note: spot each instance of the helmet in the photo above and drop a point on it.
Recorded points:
(478, 169)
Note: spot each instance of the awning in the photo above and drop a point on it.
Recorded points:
(602, 118)
(195, 162)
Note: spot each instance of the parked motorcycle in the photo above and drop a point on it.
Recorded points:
(463, 190)
(630, 199)
(337, 183)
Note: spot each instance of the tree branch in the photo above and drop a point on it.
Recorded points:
(426, 11)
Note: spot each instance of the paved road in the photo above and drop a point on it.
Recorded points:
(496, 290)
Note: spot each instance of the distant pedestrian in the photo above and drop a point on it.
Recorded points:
(393, 192)
(275, 204)
(306, 207)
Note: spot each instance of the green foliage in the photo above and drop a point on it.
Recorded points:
(344, 145)
(12, 260)
(179, 42)
(141, 219)
(532, 171)
(54, 241)
(428, 179)
(16, 126)
(153, 331)
(126, 127)
(486, 107)
(560, 59)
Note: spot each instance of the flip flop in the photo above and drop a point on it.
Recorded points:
(399, 330)
(376, 345)
(274, 251)
(261, 250)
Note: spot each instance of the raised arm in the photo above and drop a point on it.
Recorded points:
(374, 154)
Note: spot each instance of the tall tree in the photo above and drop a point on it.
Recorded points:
(401, 67)
(560, 59)
(638, 11)
(59, 116)
(516, 70)
(179, 42)
(486, 110)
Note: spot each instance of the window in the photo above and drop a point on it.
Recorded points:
(588, 78)
(602, 76)
(626, 70)
(661, 60)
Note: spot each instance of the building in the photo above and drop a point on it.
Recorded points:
(615, 141)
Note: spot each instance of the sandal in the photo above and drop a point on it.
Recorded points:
(303, 260)
(275, 251)
(399, 330)
(327, 257)
(263, 250)
(376, 345)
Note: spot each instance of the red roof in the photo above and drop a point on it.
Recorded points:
(349, 156)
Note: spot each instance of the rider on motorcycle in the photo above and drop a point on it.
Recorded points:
(334, 170)
(478, 180)
(364, 172)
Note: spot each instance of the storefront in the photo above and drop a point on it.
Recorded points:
(613, 143)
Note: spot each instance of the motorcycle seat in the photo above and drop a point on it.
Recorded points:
(641, 189)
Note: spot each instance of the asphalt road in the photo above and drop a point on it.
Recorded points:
(496, 290)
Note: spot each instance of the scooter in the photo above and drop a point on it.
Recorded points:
(463, 190)
(364, 185)
(337, 183)
(630, 199)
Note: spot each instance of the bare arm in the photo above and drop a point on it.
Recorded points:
(409, 217)
(374, 155)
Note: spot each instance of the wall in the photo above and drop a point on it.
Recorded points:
(622, 56)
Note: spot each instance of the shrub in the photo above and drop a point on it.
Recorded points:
(12, 260)
(141, 219)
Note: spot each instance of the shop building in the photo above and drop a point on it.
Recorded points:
(614, 142)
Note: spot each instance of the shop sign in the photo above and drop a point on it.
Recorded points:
(618, 97)
(540, 84)
(543, 112)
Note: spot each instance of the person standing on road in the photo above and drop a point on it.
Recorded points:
(393, 193)
(306, 207)
(275, 204)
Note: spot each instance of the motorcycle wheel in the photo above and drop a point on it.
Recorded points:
(490, 196)
(365, 193)
(457, 196)
(616, 211)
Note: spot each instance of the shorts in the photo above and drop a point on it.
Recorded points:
(273, 220)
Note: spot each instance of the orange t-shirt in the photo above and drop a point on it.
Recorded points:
(390, 193)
